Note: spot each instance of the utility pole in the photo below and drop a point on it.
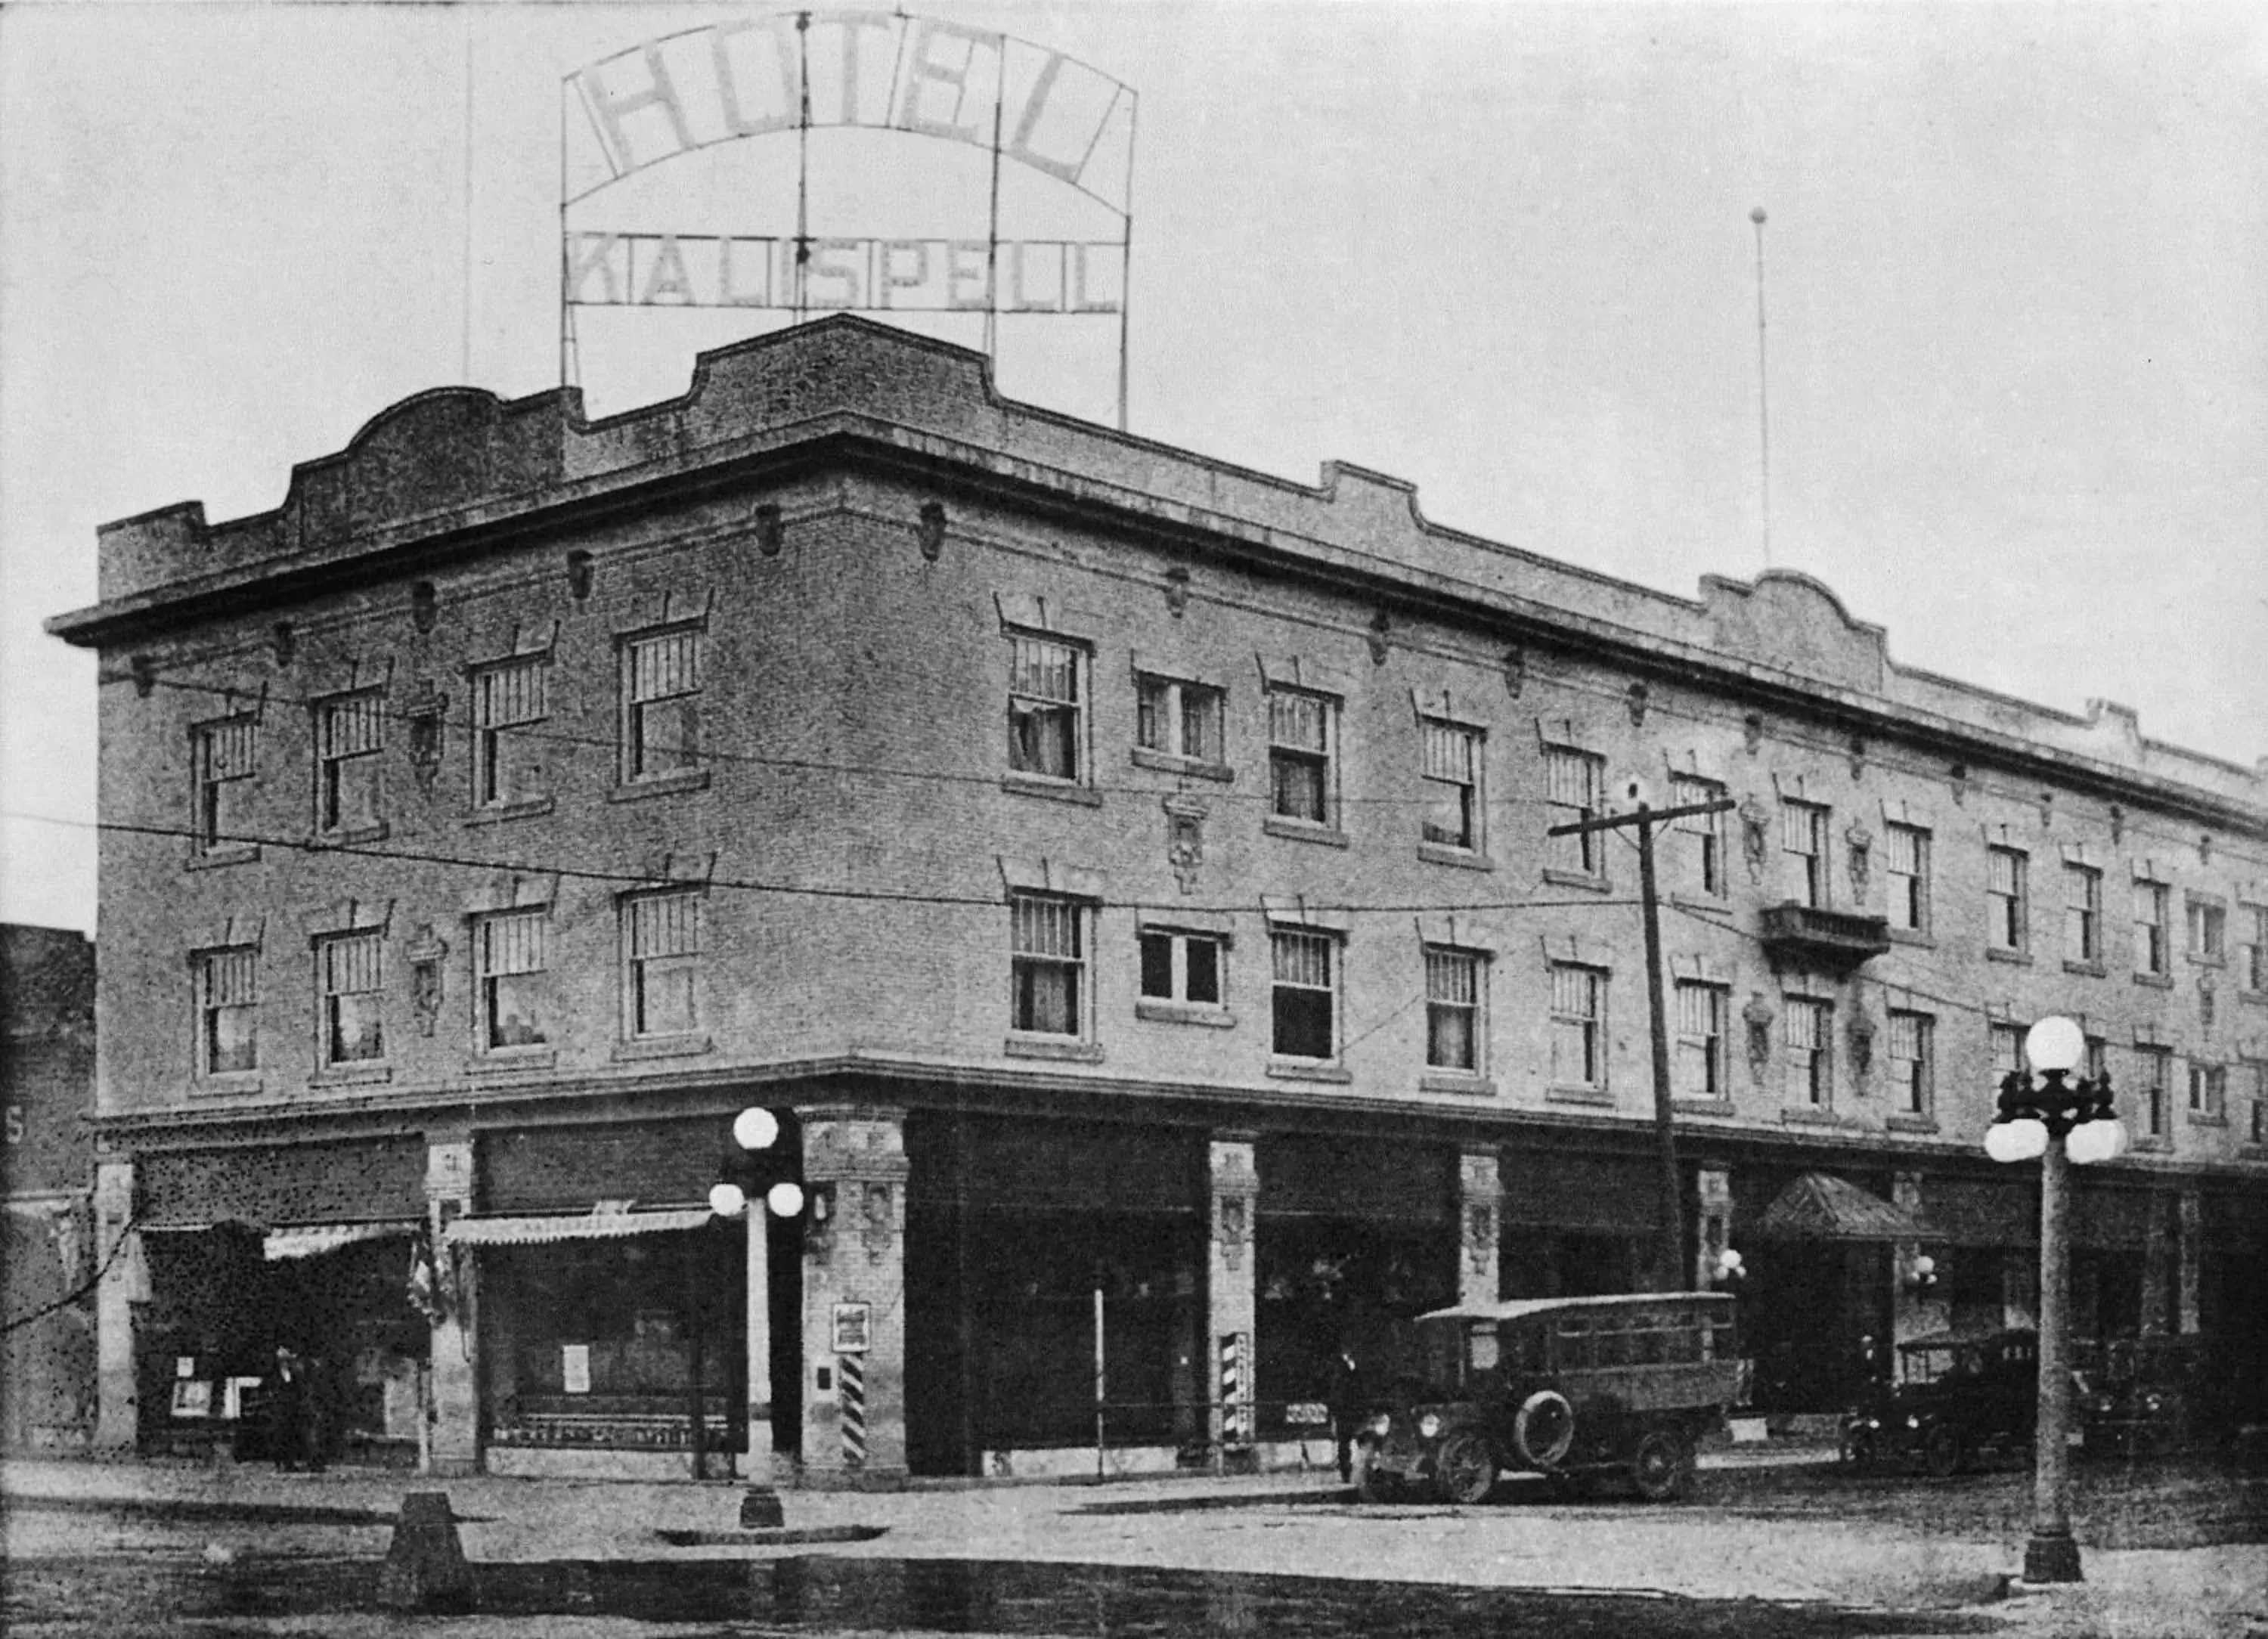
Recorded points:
(1672, 1275)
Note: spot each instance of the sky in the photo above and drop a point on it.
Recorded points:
(2015, 282)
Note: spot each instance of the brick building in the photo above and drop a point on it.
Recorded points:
(1123, 873)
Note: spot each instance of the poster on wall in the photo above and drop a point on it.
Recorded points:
(575, 1368)
(192, 1397)
(853, 1327)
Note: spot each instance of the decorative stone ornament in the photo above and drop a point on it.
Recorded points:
(2117, 825)
(1380, 624)
(145, 671)
(1958, 777)
(425, 953)
(931, 532)
(1858, 848)
(425, 605)
(1232, 1227)
(1185, 817)
(1636, 697)
(1857, 756)
(1757, 1016)
(282, 641)
(1752, 731)
(1178, 590)
(1755, 836)
(1862, 1041)
(769, 532)
(1480, 1235)
(1515, 672)
(580, 574)
(2205, 988)
(427, 710)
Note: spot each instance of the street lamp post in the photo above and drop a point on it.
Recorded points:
(2065, 1121)
(757, 1131)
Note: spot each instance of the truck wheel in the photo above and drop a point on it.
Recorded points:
(1940, 1450)
(1543, 1428)
(1661, 1468)
(1465, 1471)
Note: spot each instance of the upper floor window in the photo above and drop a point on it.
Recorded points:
(1452, 1009)
(1803, 838)
(1579, 1022)
(2258, 1131)
(350, 734)
(1913, 1061)
(225, 755)
(1907, 870)
(1304, 1003)
(661, 961)
(2097, 1065)
(2152, 909)
(2006, 1042)
(2005, 897)
(1047, 965)
(2252, 953)
(512, 952)
(505, 697)
(2155, 1071)
(1047, 708)
(1453, 785)
(352, 972)
(2082, 915)
(2208, 929)
(1705, 832)
(1704, 1060)
(1574, 789)
(1810, 1028)
(2208, 1088)
(228, 1011)
(1179, 966)
(1302, 757)
(1174, 718)
(661, 703)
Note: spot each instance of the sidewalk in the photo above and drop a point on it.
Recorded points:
(1290, 1524)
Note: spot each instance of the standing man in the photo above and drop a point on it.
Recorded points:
(1346, 1400)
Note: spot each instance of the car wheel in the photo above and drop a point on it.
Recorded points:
(1543, 1428)
(1940, 1450)
(1465, 1471)
(1661, 1468)
(1862, 1455)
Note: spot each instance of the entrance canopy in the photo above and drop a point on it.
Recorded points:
(1820, 1207)
(312, 1240)
(599, 1224)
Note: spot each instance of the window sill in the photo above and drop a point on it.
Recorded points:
(510, 1060)
(1576, 879)
(2257, 998)
(1451, 1081)
(1708, 905)
(660, 785)
(1919, 938)
(1166, 762)
(1812, 1115)
(2085, 970)
(1184, 1014)
(2200, 1118)
(1064, 1049)
(1464, 858)
(352, 1075)
(377, 833)
(1309, 1069)
(2153, 1146)
(1598, 1096)
(2252, 1152)
(1911, 1123)
(1997, 954)
(213, 859)
(526, 809)
(1054, 791)
(661, 1048)
(1303, 830)
(244, 1083)
(2155, 981)
(2195, 960)
(1722, 1107)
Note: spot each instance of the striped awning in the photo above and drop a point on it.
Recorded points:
(312, 1240)
(1820, 1207)
(598, 1225)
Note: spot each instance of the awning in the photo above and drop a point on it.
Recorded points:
(595, 1225)
(1819, 1207)
(312, 1240)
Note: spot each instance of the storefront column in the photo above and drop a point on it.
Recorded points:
(2158, 1281)
(2191, 1258)
(1232, 1183)
(854, 1269)
(1916, 1310)
(123, 1288)
(1480, 1216)
(1712, 1223)
(452, 1377)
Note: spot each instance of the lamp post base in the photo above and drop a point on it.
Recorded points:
(760, 1509)
(2052, 1559)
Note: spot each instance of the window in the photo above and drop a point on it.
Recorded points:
(504, 697)
(224, 754)
(2208, 930)
(2152, 908)
(1579, 1018)
(2252, 955)
(2008, 1043)
(349, 736)
(2082, 916)
(1182, 967)
(1452, 1010)
(1706, 847)
(1047, 965)
(1909, 878)
(1047, 729)
(228, 1009)
(1803, 836)
(353, 1027)
(1306, 1003)
(1176, 719)
(1302, 752)
(512, 952)
(1702, 1069)
(1453, 785)
(2155, 1066)
(2208, 1088)
(661, 986)
(661, 704)
(2005, 909)
(1574, 783)
(2259, 1129)
(1913, 1063)
(2097, 1063)
(1810, 1032)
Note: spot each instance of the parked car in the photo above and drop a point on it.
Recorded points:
(1575, 1388)
(2146, 1394)
(1956, 1395)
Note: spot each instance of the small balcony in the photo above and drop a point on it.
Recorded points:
(1809, 935)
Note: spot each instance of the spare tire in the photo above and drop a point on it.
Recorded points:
(1543, 1428)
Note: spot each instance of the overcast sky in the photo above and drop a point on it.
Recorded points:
(2016, 266)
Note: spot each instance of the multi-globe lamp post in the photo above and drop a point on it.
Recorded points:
(2064, 1120)
(757, 1131)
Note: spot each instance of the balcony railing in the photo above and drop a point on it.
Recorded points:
(1832, 938)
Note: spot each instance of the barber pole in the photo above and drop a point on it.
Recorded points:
(850, 1380)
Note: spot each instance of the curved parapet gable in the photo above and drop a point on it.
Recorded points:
(1790, 620)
